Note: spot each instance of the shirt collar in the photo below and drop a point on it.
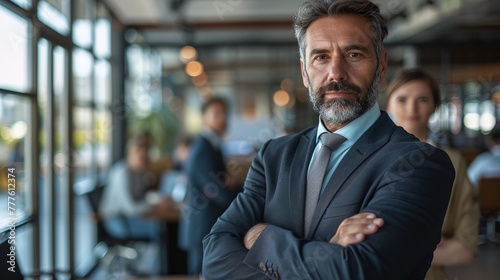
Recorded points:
(353, 130)
(214, 139)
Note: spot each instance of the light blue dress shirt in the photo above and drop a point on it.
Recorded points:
(352, 132)
(485, 165)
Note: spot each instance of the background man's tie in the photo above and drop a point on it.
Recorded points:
(316, 174)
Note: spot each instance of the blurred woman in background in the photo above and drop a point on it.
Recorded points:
(412, 97)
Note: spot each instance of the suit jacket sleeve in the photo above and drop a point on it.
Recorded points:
(412, 199)
(223, 248)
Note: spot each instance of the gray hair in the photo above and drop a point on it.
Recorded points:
(315, 9)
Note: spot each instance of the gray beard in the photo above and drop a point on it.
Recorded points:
(342, 111)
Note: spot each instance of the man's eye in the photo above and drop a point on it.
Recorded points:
(354, 55)
(321, 57)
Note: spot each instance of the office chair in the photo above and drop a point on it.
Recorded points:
(489, 203)
(108, 248)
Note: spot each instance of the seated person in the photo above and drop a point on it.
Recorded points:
(487, 164)
(126, 197)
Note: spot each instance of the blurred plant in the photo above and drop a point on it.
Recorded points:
(162, 124)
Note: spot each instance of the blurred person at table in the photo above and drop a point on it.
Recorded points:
(209, 188)
(127, 198)
(487, 164)
(412, 97)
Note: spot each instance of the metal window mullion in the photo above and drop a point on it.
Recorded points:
(50, 150)
(69, 127)
(34, 160)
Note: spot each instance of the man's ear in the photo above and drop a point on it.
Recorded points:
(383, 66)
(305, 81)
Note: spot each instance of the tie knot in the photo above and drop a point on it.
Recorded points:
(332, 140)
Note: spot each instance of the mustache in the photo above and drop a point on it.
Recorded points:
(340, 86)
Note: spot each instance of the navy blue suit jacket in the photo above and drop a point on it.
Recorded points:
(207, 195)
(387, 172)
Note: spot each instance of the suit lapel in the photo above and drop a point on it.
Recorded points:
(374, 138)
(298, 175)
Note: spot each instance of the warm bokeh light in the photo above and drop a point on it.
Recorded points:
(188, 53)
(194, 68)
(200, 80)
(281, 98)
(495, 98)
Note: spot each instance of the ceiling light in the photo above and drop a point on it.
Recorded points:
(194, 68)
(281, 98)
(188, 53)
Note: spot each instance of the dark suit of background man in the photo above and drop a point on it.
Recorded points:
(208, 194)
(380, 169)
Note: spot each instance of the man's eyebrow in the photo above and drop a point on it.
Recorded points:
(351, 47)
(317, 51)
(356, 47)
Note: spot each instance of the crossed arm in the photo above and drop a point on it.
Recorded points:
(351, 231)
(239, 244)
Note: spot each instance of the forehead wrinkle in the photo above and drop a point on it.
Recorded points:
(328, 33)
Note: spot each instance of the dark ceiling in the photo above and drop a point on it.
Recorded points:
(453, 33)
(229, 22)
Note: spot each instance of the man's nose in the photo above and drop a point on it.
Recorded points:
(337, 69)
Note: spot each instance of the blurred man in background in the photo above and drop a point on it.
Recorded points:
(209, 188)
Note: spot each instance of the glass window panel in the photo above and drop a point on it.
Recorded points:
(103, 82)
(26, 4)
(62, 166)
(103, 128)
(16, 186)
(82, 75)
(13, 51)
(59, 94)
(55, 14)
(44, 156)
(102, 47)
(14, 124)
(43, 90)
(82, 140)
(43, 74)
(83, 23)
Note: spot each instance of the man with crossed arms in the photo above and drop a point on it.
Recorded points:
(378, 178)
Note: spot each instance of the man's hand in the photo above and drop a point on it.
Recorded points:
(252, 235)
(354, 229)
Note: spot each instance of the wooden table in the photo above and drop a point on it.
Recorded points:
(167, 211)
(168, 217)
